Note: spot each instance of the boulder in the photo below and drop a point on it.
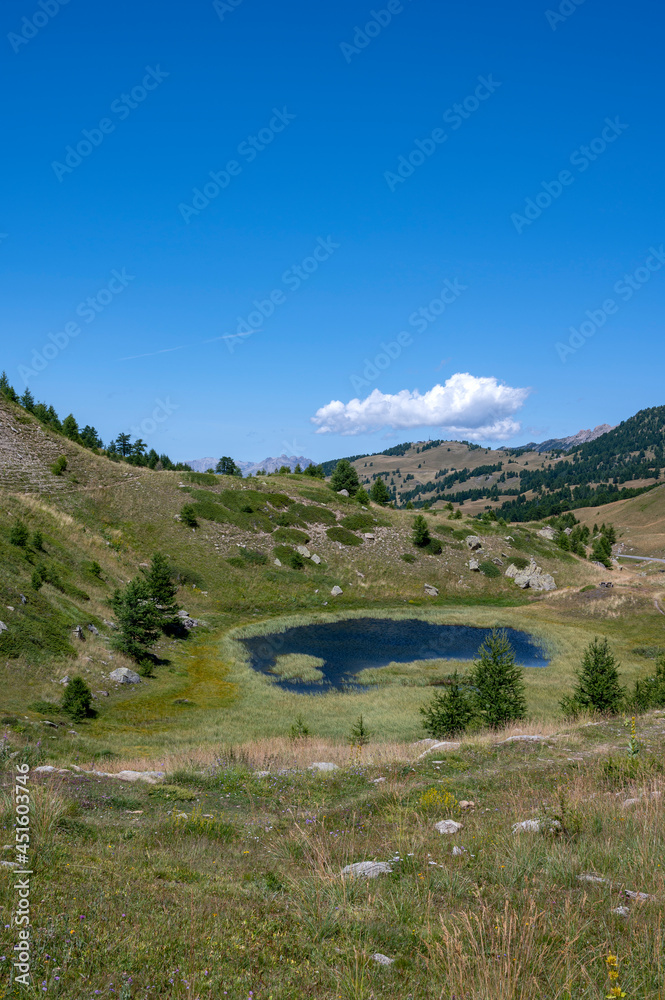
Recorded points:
(466, 804)
(367, 869)
(524, 738)
(531, 578)
(536, 826)
(448, 826)
(316, 559)
(431, 591)
(336, 591)
(474, 542)
(343, 493)
(304, 551)
(3, 627)
(548, 533)
(322, 766)
(643, 897)
(123, 675)
(277, 562)
(78, 632)
(512, 571)
(474, 565)
(91, 628)
(369, 536)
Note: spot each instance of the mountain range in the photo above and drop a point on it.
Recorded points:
(567, 443)
(250, 468)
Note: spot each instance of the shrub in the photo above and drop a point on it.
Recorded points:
(339, 534)
(96, 569)
(438, 803)
(358, 522)
(77, 699)
(449, 712)
(433, 547)
(291, 535)
(59, 466)
(299, 730)
(520, 562)
(188, 516)
(289, 556)
(408, 557)
(489, 569)
(19, 534)
(598, 687)
(498, 682)
(37, 541)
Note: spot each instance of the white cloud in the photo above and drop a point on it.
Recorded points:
(480, 409)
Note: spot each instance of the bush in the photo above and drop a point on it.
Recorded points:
(358, 522)
(490, 569)
(77, 699)
(299, 730)
(289, 556)
(339, 534)
(19, 534)
(498, 682)
(433, 547)
(188, 516)
(291, 535)
(450, 711)
(598, 688)
(408, 557)
(38, 541)
(59, 466)
(520, 562)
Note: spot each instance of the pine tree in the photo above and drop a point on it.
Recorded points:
(122, 443)
(77, 699)
(498, 682)
(227, 467)
(27, 401)
(162, 589)
(362, 497)
(598, 688)
(70, 428)
(188, 516)
(19, 534)
(139, 621)
(379, 492)
(449, 713)
(6, 389)
(345, 477)
(421, 536)
(360, 734)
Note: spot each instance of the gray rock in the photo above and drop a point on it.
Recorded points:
(277, 562)
(367, 869)
(110, 624)
(44, 769)
(101, 694)
(448, 826)
(431, 591)
(24, 599)
(629, 802)
(123, 675)
(527, 826)
(591, 878)
(474, 542)
(336, 591)
(458, 851)
(526, 738)
(151, 777)
(316, 559)
(322, 766)
(91, 628)
(64, 680)
(641, 896)
(369, 536)
(531, 578)
(78, 632)
(304, 551)
(343, 493)
(621, 911)
(382, 959)
(3, 627)
(548, 533)
(474, 565)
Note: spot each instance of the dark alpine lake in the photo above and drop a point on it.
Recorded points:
(355, 644)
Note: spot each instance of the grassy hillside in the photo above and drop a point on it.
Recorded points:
(640, 522)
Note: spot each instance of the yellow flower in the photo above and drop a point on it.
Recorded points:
(611, 959)
(615, 992)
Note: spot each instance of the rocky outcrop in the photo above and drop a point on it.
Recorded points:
(531, 578)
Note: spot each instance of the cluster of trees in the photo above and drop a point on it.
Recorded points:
(144, 609)
(493, 694)
(345, 477)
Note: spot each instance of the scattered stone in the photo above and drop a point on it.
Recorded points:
(377, 781)
(262, 774)
(367, 869)
(535, 826)
(382, 959)
(431, 591)
(78, 632)
(531, 578)
(109, 624)
(3, 627)
(525, 738)
(474, 565)
(134, 812)
(64, 680)
(630, 802)
(474, 542)
(10, 864)
(591, 878)
(9, 607)
(466, 804)
(361, 575)
(322, 766)
(24, 599)
(304, 551)
(458, 851)
(101, 694)
(342, 493)
(448, 826)
(277, 562)
(497, 561)
(71, 732)
(316, 559)
(151, 777)
(548, 533)
(621, 911)
(642, 896)
(443, 745)
(45, 722)
(91, 628)
(123, 675)
(336, 591)
(369, 536)
(44, 769)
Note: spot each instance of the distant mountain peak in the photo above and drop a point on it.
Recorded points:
(565, 444)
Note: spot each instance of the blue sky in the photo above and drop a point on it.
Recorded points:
(313, 212)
